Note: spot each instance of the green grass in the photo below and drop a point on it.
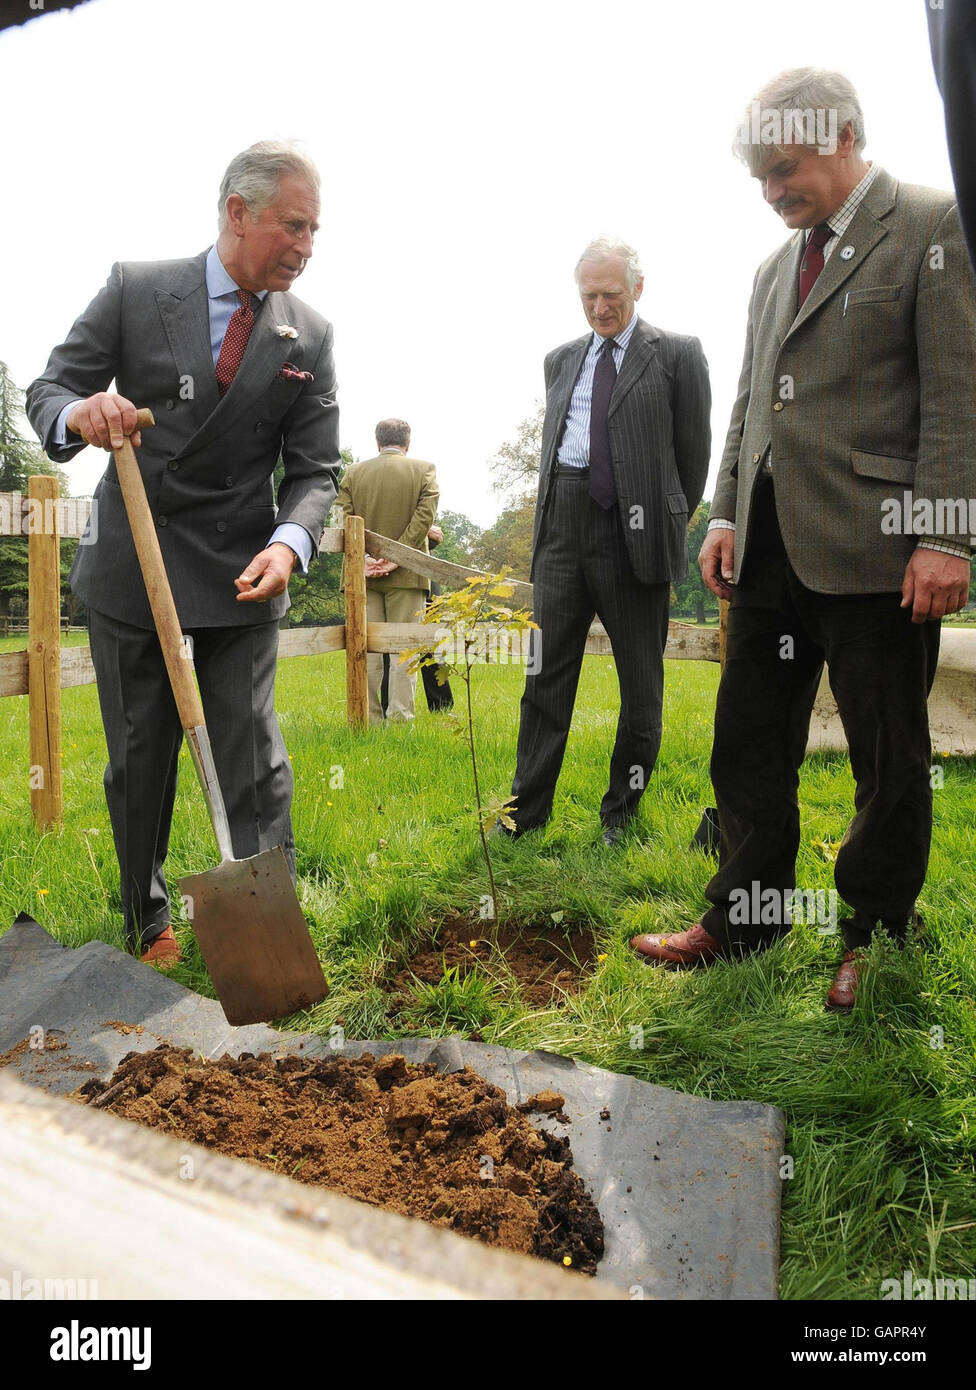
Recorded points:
(882, 1126)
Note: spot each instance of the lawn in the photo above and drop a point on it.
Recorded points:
(880, 1104)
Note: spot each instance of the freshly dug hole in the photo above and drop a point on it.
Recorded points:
(445, 1148)
(547, 965)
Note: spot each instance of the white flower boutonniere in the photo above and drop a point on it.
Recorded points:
(285, 330)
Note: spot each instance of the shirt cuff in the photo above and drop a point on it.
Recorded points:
(719, 523)
(60, 439)
(959, 548)
(296, 538)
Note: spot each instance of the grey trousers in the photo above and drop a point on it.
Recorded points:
(235, 669)
(582, 569)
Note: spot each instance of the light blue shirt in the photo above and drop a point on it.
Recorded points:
(574, 449)
(223, 300)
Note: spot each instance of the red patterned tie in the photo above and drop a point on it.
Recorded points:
(235, 341)
(813, 259)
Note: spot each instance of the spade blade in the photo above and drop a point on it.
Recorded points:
(255, 942)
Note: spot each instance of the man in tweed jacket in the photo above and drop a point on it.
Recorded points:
(830, 533)
(625, 449)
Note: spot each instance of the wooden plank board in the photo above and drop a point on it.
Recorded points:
(85, 1195)
(444, 571)
(76, 669)
(311, 641)
(684, 642)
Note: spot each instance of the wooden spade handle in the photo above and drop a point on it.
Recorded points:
(178, 663)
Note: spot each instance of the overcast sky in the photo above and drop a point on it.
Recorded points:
(467, 154)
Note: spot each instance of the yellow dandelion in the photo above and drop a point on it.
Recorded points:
(603, 957)
(567, 1260)
(43, 891)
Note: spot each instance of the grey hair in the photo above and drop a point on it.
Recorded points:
(256, 173)
(601, 248)
(392, 431)
(806, 105)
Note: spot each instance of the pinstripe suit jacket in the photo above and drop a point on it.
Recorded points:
(660, 438)
(209, 462)
(867, 392)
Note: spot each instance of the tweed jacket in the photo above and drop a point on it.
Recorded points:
(866, 397)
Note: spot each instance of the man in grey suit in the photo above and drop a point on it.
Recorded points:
(625, 446)
(238, 373)
(830, 531)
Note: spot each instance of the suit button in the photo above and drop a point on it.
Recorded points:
(259, 427)
(756, 458)
(170, 405)
(778, 405)
(228, 482)
(173, 466)
(221, 525)
(161, 520)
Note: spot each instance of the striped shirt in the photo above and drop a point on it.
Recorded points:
(574, 450)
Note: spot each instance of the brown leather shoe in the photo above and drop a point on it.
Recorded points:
(163, 951)
(691, 947)
(843, 992)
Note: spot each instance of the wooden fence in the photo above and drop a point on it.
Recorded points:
(46, 668)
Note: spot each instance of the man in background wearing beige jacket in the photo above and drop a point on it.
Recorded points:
(397, 497)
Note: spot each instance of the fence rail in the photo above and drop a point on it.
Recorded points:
(46, 668)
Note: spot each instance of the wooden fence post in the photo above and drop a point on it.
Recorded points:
(44, 652)
(357, 692)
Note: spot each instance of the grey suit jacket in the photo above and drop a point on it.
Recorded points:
(866, 393)
(208, 463)
(660, 439)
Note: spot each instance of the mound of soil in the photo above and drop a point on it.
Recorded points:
(445, 1148)
(547, 963)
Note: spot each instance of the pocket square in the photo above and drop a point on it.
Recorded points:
(289, 372)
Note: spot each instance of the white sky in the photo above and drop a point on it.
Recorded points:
(467, 155)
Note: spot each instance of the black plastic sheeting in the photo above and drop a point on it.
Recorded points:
(689, 1189)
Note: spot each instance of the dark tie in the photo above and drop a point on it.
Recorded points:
(813, 259)
(602, 488)
(235, 341)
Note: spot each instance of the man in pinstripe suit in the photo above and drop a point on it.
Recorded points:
(238, 373)
(625, 447)
(858, 392)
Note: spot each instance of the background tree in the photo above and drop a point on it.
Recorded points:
(690, 598)
(507, 544)
(315, 597)
(460, 535)
(515, 467)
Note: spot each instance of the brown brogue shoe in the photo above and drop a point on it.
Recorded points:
(163, 951)
(843, 991)
(684, 948)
